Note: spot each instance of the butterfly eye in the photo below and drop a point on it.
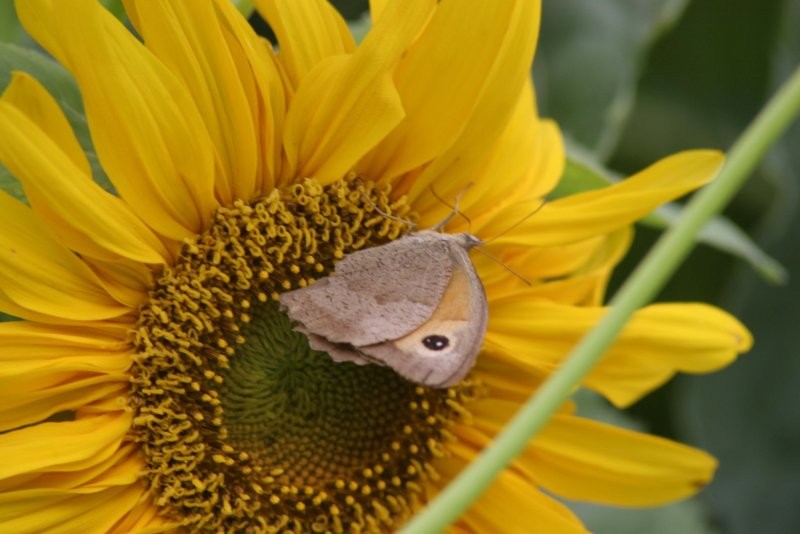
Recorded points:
(436, 342)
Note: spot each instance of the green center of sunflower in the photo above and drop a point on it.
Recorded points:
(244, 427)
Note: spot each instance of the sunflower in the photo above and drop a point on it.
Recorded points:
(152, 382)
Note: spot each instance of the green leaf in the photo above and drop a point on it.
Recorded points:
(10, 29)
(720, 232)
(580, 176)
(60, 83)
(724, 235)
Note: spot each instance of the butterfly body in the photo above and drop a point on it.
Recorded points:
(415, 304)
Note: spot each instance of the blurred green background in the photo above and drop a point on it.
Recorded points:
(632, 81)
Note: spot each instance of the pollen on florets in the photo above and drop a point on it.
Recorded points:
(243, 427)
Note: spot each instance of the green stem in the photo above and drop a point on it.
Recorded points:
(640, 288)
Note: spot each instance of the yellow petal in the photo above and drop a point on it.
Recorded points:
(39, 341)
(147, 131)
(376, 8)
(527, 161)
(127, 282)
(659, 341)
(190, 40)
(29, 96)
(308, 31)
(439, 86)
(123, 467)
(582, 459)
(504, 83)
(505, 380)
(38, 381)
(89, 219)
(590, 461)
(74, 395)
(552, 271)
(80, 443)
(665, 338)
(500, 508)
(260, 76)
(534, 263)
(584, 215)
(39, 274)
(144, 518)
(347, 104)
(43, 511)
(30, 365)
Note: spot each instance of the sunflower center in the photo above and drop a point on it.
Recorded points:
(242, 425)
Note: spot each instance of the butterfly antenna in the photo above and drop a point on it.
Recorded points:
(454, 209)
(506, 267)
(389, 216)
(504, 232)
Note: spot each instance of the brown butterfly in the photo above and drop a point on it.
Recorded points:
(415, 304)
